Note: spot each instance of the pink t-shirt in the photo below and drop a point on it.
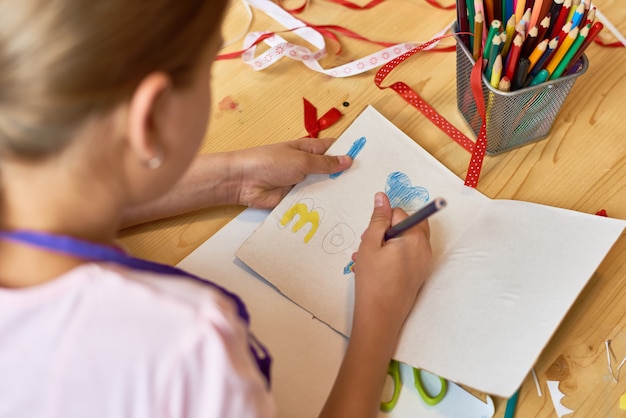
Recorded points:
(106, 341)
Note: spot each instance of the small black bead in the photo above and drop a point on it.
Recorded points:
(346, 104)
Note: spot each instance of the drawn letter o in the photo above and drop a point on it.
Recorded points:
(338, 239)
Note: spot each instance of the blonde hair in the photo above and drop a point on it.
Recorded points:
(62, 61)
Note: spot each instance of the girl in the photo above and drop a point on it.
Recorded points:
(103, 105)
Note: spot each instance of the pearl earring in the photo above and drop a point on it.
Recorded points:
(156, 161)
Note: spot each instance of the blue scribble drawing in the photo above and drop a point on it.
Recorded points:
(354, 150)
(402, 194)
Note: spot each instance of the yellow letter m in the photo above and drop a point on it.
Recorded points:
(305, 216)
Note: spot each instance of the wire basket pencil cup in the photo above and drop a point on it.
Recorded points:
(513, 118)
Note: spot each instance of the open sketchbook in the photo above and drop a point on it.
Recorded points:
(505, 272)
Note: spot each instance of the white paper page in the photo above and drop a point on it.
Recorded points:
(495, 299)
(311, 273)
(489, 255)
(306, 353)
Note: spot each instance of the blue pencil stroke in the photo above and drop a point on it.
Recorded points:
(354, 150)
(402, 194)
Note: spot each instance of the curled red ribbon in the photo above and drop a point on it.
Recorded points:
(478, 148)
(616, 44)
(312, 124)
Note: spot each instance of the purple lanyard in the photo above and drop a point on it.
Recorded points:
(96, 252)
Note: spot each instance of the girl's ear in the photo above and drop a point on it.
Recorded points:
(143, 128)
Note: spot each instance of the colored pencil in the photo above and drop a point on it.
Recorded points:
(578, 15)
(554, 13)
(591, 16)
(526, 20)
(530, 42)
(505, 84)
(461, 18)
(543, 27)
(471, 13)
(537, 53)
(545, 9)
(488, 10)
(511, 404)
(494, 52)
(572, 10)
(513, 57)
(510, 34)
(478, 6)
(426, 211)
(540, 77)
(545, 58)
(565, 30)
(497, 10)
(494, 29)
(478, 34)
(594, 30)
(520, 8)
(575, 67)
(520, 30)
(561, 19)
(583, 21)
(562, 50)
(571, 52)
(535, 14)
(496, 71)
(508, 10)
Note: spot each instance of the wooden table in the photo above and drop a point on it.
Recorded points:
(580, 166)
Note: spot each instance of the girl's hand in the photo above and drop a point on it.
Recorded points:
(388, 274)
(267, 173)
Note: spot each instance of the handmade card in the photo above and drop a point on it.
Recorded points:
(505, 272)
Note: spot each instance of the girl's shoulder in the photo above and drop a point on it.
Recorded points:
(174, 340)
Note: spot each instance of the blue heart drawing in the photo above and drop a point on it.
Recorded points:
(402, 194)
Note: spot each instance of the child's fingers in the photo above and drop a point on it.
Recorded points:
(380, 220)
(318, 162)
(398, 215)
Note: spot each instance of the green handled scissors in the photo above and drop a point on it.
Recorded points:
(393, 370)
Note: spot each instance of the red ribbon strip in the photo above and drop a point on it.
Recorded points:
(295, 10)
(354, 6)
(312, 124)
(351, 5)
(477, 149)
(324, 30)
(616, 44)
(436, 4)
(476, 162)
(238, 54)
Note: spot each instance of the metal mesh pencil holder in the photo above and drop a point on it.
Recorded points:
(513, 118)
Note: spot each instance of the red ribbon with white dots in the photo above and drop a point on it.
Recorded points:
(477, 148)
(389, 57)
